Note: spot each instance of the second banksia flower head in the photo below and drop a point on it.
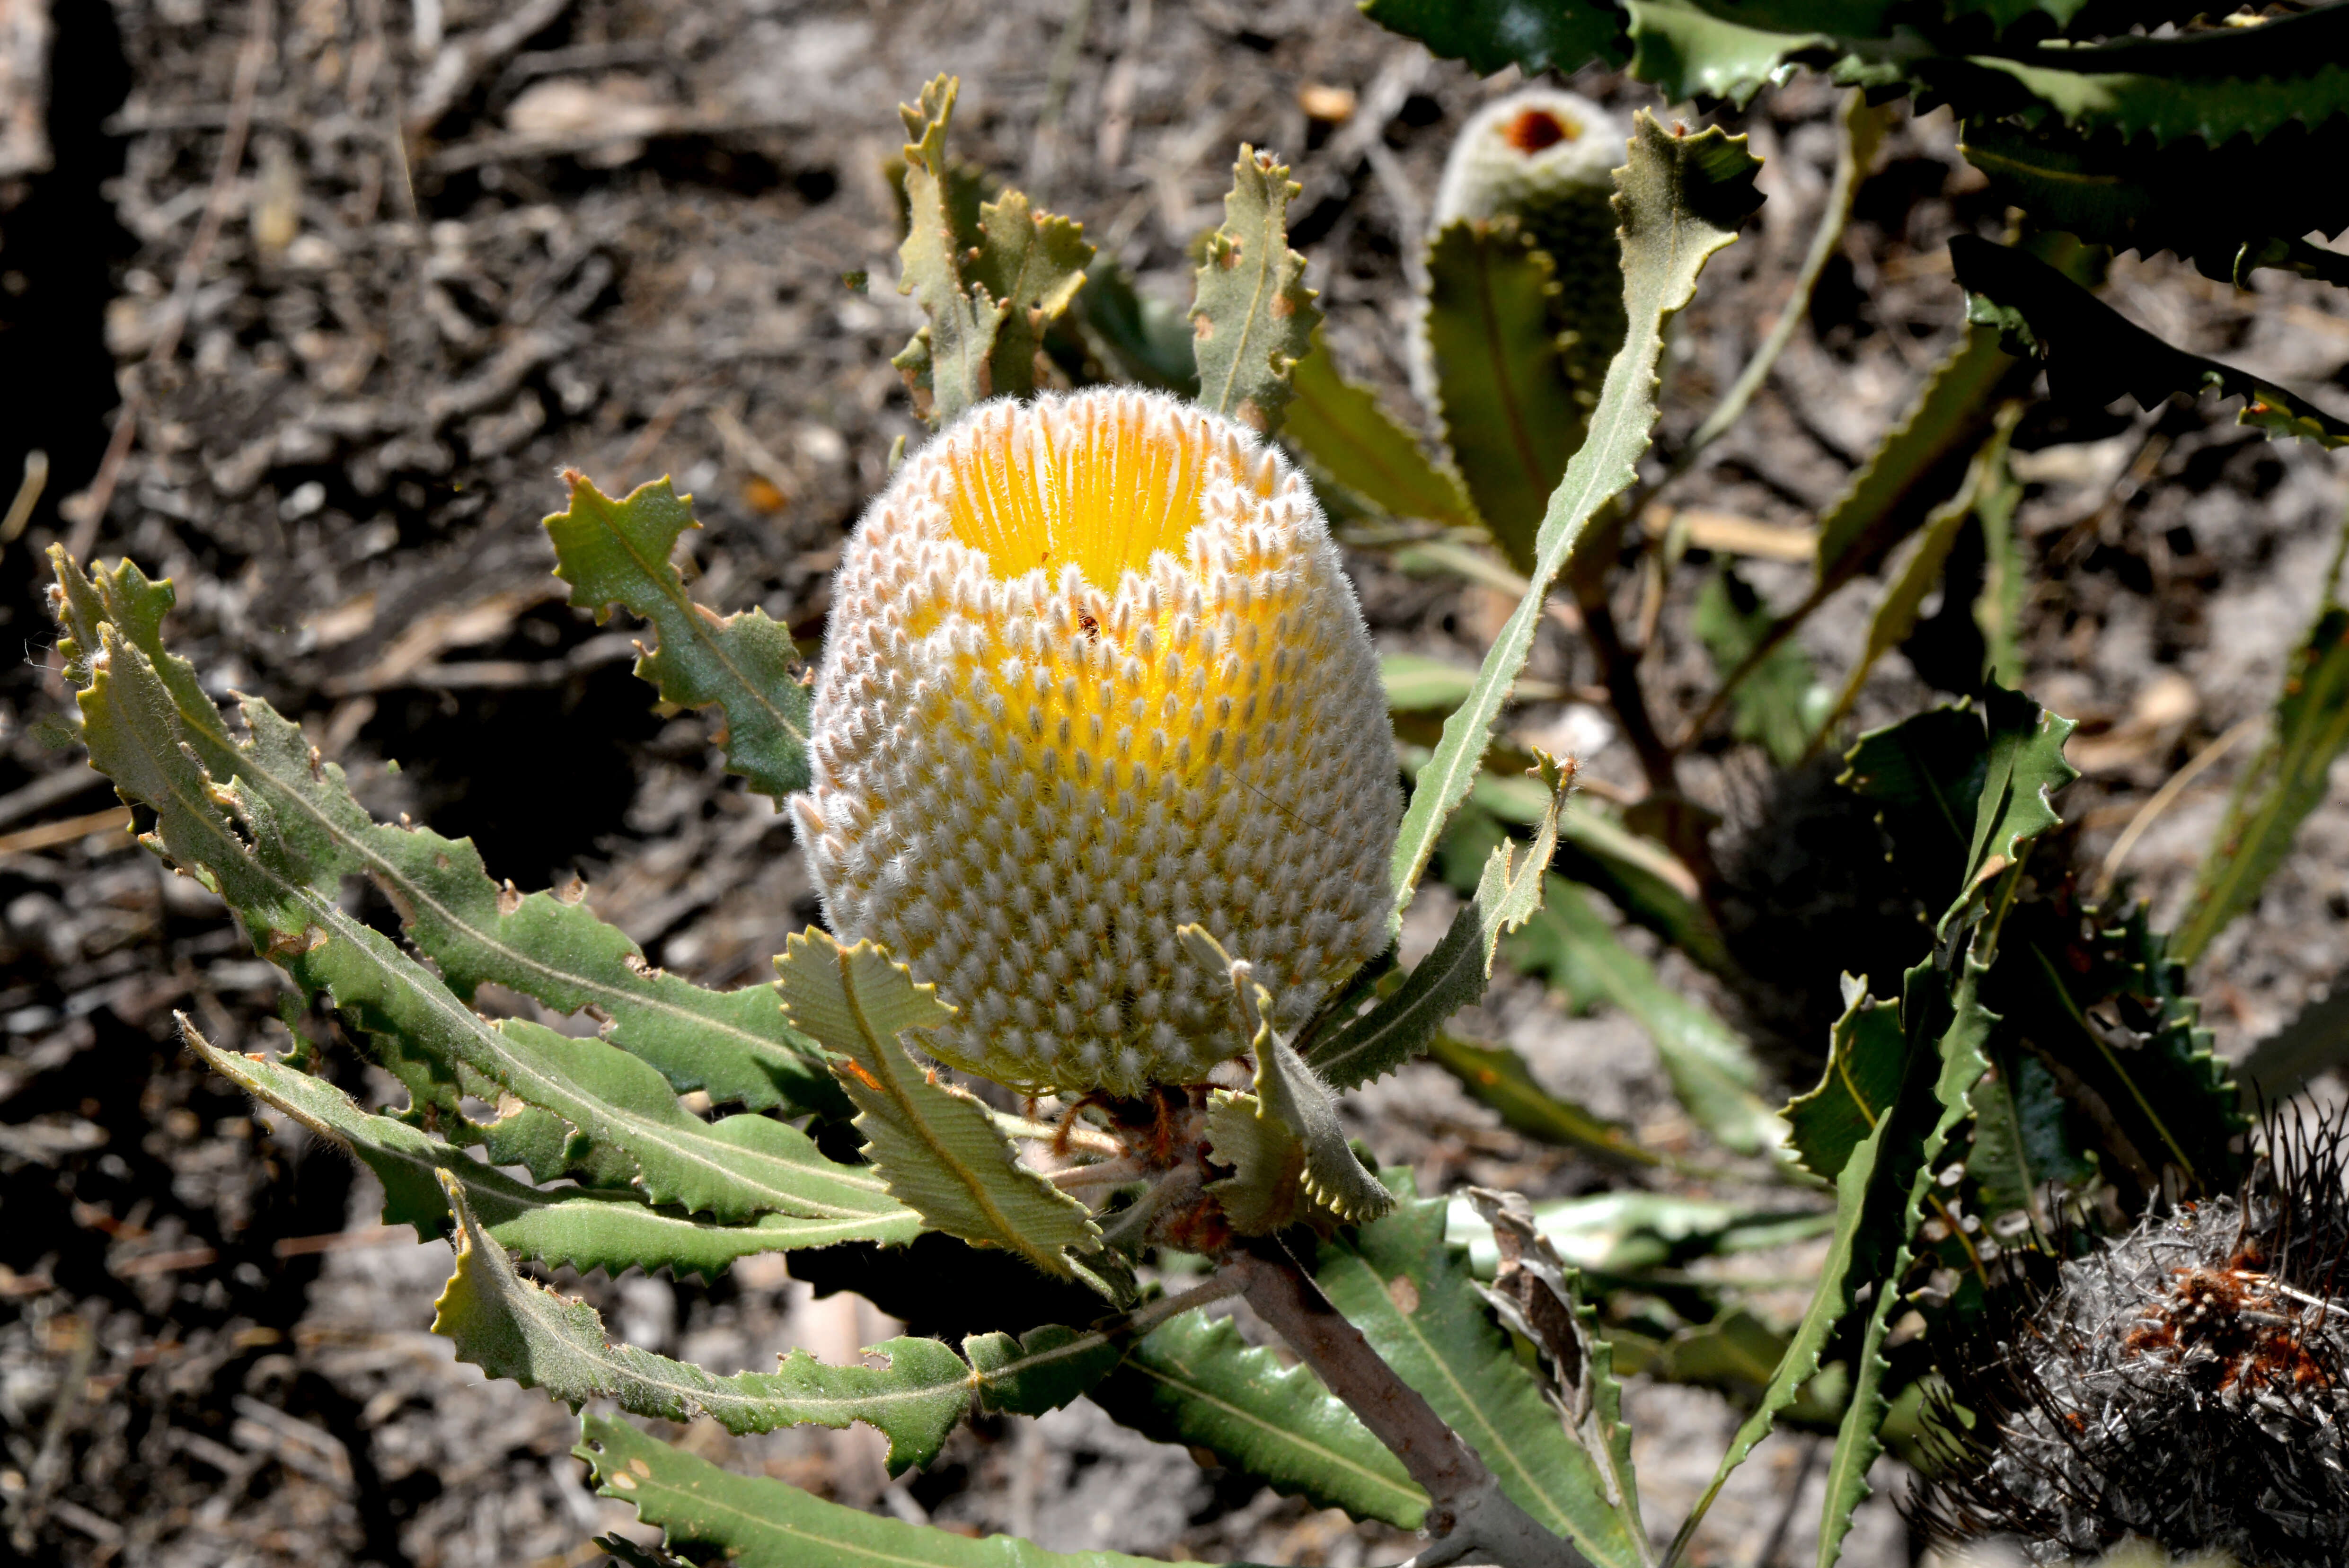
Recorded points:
(1093, 673)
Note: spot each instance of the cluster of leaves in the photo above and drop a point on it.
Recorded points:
(2196, 135)
(2023, 1047)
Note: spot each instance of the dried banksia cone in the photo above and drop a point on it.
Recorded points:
(1095, 673)
(2186, 1384)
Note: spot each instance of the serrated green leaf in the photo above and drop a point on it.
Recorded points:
(1543, 1304)
(1712, 1068)
(1195, 1381)
(1347, 439)
(1978, 779)
(290, 905)
(1136, 337)
(513, 1327)
(1867, 1054)
(935, 1146)
(1857, 1442)
(1646, 881)
(2286, 781)
(1291, 1096)
(1770, 705)
(1041, 1370)
(948, 364)
(1892, 494)
(1536, 36)
(2023, 769)
(1504, 397)
(757, 1522)
(736, 1045)
(1034, 263)
(2095, 353)
(2209, 84)
(1680, 199)
(1497, 1077)
(1964, 1026)
(618, 552)
(1508, 893)
(1409, 1292)
(1894, 616)
(2315, 1040)
(1877, 1192)
(2162, 1091)
(1252, 316)
(2230, 209)
(2023, 1136)
(573, 1226)
(1267, 1190)
(1690, 53)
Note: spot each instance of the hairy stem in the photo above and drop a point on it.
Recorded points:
(1467, 1512)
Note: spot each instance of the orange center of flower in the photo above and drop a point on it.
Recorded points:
(1536, 128)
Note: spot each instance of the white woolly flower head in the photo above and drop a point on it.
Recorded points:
(1095, 673)
(1520, 154)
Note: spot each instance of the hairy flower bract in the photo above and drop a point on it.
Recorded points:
(1093, 673)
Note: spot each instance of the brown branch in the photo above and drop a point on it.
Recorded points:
(1467, 1512)
(1619, 671)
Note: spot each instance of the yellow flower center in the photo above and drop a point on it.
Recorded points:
(1105, 488)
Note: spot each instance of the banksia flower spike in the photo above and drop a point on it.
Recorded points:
(1547, 158)
(1095, 673)
(2187, 1384)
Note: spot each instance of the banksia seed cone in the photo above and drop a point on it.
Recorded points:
(1093, 673)
(2187, 1384)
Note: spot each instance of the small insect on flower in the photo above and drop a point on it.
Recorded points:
(2186, 1383)
(1093, 673)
